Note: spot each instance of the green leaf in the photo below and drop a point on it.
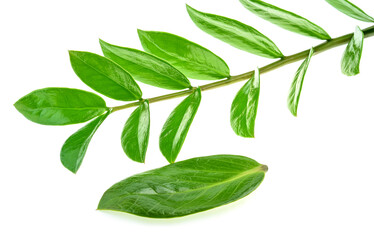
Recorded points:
(60, 106)
(244, 108)
(186, 187)
(104, 76)
(297, 85)
(285, 19)
(190, 58)
(352, 56)
(235, 33)
(175, 129)
(75, 147)
(146, 68)
(135, 134)
(350, 9)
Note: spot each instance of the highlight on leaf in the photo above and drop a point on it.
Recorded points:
(235, 33)
(176, 127)
(75, 147)
(145, 67)
(135, 134)
(60, 106)
(350, 63)
(186, 187)
(351, 10)
(297, 85)
(285, 19)
(104, 76)
(188, 57)
(244, 107)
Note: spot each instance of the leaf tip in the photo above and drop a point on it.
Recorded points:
(264, 168)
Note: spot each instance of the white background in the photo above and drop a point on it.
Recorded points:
(320, 181)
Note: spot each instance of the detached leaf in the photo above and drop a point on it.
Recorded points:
(135, 134)
(104, 76)
(244, 108)
(186, 187)
(75, 147)
(297, 85)
(175, 129)
(351, 10)
(60, 106)
(190, 58)
(146, 68)
(352, 56)
(285, 19)
(235, 33)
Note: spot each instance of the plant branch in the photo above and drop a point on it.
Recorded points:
(327, 45)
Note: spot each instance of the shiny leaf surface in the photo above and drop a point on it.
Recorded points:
(135, 134)
(104, 76)
(285, 19)
(190, 58)
(244, 108)
(350, 63)
(351, 10)
(297, 85)
(60, 106)
(75, 147)
(145, 67)
(186, 187)
(235, 33)
(176, 127)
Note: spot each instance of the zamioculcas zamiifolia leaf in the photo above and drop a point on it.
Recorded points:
(352, 56)
(60, 106)
(75, 147)
(285, 19)
(235, 33)
(104, 76)
(351, 10)
(297, 85)
(244, 108)
(190, 58)
(186, 187)
(175, 129)
(135, 134)
(146, 68)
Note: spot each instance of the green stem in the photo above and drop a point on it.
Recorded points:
(327, 45)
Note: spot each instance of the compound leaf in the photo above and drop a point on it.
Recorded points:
(176, 127)
(104, 76)
(350, 63)
(190, 58)
(186, 187)
(297, 85)
(235, 33)
(135, 134)
(75, 147)
(244, 108)
(60, 106)
(285, 19)
(145, 67)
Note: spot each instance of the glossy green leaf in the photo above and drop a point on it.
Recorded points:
(75, 147)
(104, 76)
(60, 106)
(235, 33)
(190, 58)
(244, 108)
(352, 56)
(351, 10)
(186, 187)
(285, 19)
(146, 68)
(175, 129)
(135, 134)
(297, 85)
